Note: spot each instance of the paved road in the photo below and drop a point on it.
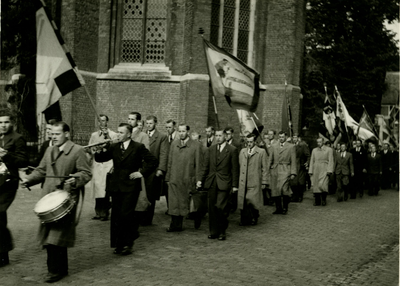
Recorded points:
(348, 243)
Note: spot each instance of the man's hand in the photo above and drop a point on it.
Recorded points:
(135, 175)
(292, 177)
(234, 190)
(24, 183)
(352, 174)
(71, 181)
(2, 152)
(198, 184)
(328, 174)
(159, 173)
(263, 186)
(364, 171)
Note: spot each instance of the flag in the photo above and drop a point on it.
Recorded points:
(328, 128)
(349, 124)
(385, 135)
(366, 123)
(232, 78)
(56, 72)
(287, 125)
(249, 122)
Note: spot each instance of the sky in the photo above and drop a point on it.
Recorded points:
(395, 27)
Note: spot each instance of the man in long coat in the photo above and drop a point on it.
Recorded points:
(374, 171)
(184, 171)
(252, 180)
(159, 148)
(298, 184)
(344, 168)
(321, 168)
(282, 169)
(359, 161)
(65, 158)
(387, 158)
(12, 156)
(100, 170)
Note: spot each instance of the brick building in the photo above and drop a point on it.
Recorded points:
(147, 56)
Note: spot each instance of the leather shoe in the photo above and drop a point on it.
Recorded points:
(171, 229)
(117, 250)
(197, 223)
(222, 237)
(96, 217)
(254, 222)
(323, 203)
(284, 211)
(212, 236)
(126, 251)
(50, 277)
(278, 212)
(104, 219)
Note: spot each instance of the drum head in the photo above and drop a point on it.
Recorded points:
(51, 201)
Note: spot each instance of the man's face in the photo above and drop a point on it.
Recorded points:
(123, 134)
(195, 137)
(220, 137)
(343, 147)
(132, 120)
(150, 125)
(282, 138)
(5, 124)
(228, 135)
(373, 148)
(183, 133)
(319, 142)
(170, 128)
(266, 138)
(354, 143)
(250, 142)
(48, 131)
(385, 147)
(358, 143)
(209, 132)
(103, 122)
(59, 137)
(140, 125)
(270, 135)
(295, 139)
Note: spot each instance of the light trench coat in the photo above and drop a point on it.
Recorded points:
(321, 163)
(253, 174)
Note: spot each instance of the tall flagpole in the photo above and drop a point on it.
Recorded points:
(201, 32)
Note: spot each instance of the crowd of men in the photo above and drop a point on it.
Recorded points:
(130, 169)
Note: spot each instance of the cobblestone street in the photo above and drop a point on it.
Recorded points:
(348, 243)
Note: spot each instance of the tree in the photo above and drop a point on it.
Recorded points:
(347, 45)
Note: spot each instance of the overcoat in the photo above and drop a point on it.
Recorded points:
(159, 148)
(184, 170)
(253, 174)
(322, 162)
(302, 157)
(100, 169)
(140, 137)
(281, 165)
(71, 161)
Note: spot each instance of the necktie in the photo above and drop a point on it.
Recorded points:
(122, 148)
(281, 145)
(342, 154)
(182, 143)
(250, 151)
(149, 133)
(219, 148)
(170, 138)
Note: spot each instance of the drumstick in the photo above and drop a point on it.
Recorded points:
(62, 177)
(29, 189)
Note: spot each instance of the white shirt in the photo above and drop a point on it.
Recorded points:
(151, 133)
(126, 143)
(222, 146)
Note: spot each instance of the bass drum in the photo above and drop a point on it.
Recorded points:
(54, 206)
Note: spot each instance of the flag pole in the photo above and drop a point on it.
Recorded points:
(373, 126)
(201, 32)
(92, 103)
(287, 111)
(345, 125)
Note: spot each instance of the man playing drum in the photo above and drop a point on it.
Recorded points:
(12, 157)
(66, 166)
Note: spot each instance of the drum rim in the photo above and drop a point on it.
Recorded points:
(41, 215)
(58, 217)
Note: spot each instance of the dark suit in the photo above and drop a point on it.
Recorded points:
(298, 184)
(359, 161)
(343, 169)
(159, 147)
(14, 159)
(386, 168)
(233, 196)
(42, 150)
(221, 174)
(125, 192)
(374, 171)
(209, 144)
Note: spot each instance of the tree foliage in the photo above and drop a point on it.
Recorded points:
(347, 45)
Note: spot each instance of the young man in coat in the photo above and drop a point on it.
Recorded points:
(322, 165)
(374, 171)
(210, 137)
(67, 159)
(137, 134)
(298, 184)
(252, 180)
(282, 169)
(359, 161)
(344, 168)
(12, 156)
(159, 147)
(100, 170)
(132, 161)
(221, 173)
(184, 171)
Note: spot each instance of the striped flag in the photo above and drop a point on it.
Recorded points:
(249, 122)
(56, 72)
(232, 78)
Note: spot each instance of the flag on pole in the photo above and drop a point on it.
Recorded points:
(366, 123)
(249, 122)
(328, 127)
(287, 125)
(349, 123)
(56, 72)
(232, 78)
(385, 135)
